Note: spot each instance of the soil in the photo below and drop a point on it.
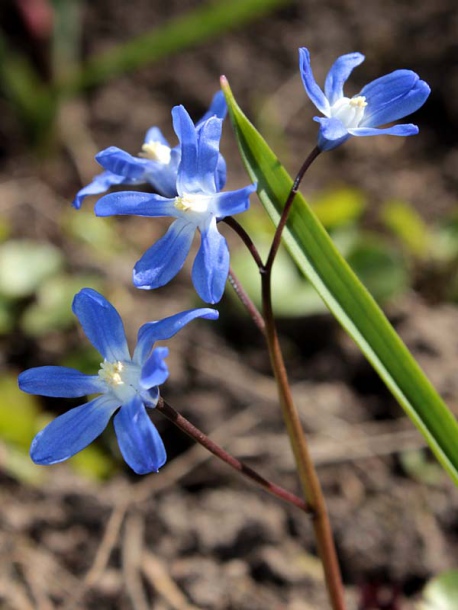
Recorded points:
(197, 535)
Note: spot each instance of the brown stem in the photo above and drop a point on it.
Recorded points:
(237, 227)
(201, 438)
(287, 207)
(306, 469)
(247, 302)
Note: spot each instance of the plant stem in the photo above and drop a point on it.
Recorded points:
(306, 468)
(237, 227)
(201, 438)
(247, 302)
(287, 207)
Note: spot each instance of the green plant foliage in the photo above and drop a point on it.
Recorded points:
(93, 463)
(405, 222)
(345, 296)
(204, 23)
(52, 309)
(24, 265)
(339, 206)
(18, 413)
(441, 593)
(101, 237)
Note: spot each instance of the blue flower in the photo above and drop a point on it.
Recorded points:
(382, 101)
(126, 385)
(156, 164)
(198, 205)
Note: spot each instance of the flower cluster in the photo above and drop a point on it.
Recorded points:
(185, 183)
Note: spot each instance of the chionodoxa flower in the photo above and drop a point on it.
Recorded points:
(384, 100)
(197, 206)
(127, 385)
(155, 165)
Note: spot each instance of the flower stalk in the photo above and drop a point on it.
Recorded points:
(306, 469)
(188, 428)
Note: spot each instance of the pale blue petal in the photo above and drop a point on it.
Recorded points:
(313, 90)
(397, 130)
(100, 184)
(393, 97)
(339, 73)
(203, 178)
(165, 258)
(233, 202)
(155, 371)
(154, 134)
(59, 381)
(211, 265)
(165, 329)
(187, 134)
(139, 441)
(102, 324)
(122, 163)
(72, 431)
(134, 203)
(220, 178)
(332, 133)
(218, 107)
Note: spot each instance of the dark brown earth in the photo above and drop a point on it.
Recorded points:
(195, 535)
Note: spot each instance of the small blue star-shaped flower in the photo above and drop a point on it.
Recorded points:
(156, 164)
(126, 384)
(384, 100)
(197, 205)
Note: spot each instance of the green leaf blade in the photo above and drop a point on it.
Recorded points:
(345, 296)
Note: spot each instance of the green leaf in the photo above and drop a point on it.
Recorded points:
(205, 22)
(18, 412)
(441, 593)
(339, 206)
(345, 296)
(52, 309)
(407, 224)
(25, 264)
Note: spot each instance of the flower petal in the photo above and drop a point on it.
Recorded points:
(120, 162)
(72, 431)
(406, 129)
(232, 202)
(332, 133)
(218, 107)
(99, 184)
(102, 324)
(187, 134)
(211, 265)
(59, 381)
(155, 371)
(165, 329)
(313, 90)
(139, 441)
(339, 73)
(392, 97)
(203, 179)
(135, 203)
(154, 134)
(165, 258)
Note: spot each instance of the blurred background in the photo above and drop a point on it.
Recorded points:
(78, 76)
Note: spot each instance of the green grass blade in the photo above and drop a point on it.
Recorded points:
(192, 29)
(345, 296)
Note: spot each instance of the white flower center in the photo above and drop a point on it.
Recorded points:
(349, 111)
(197, 204)
(156, 151)
(122, 379)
